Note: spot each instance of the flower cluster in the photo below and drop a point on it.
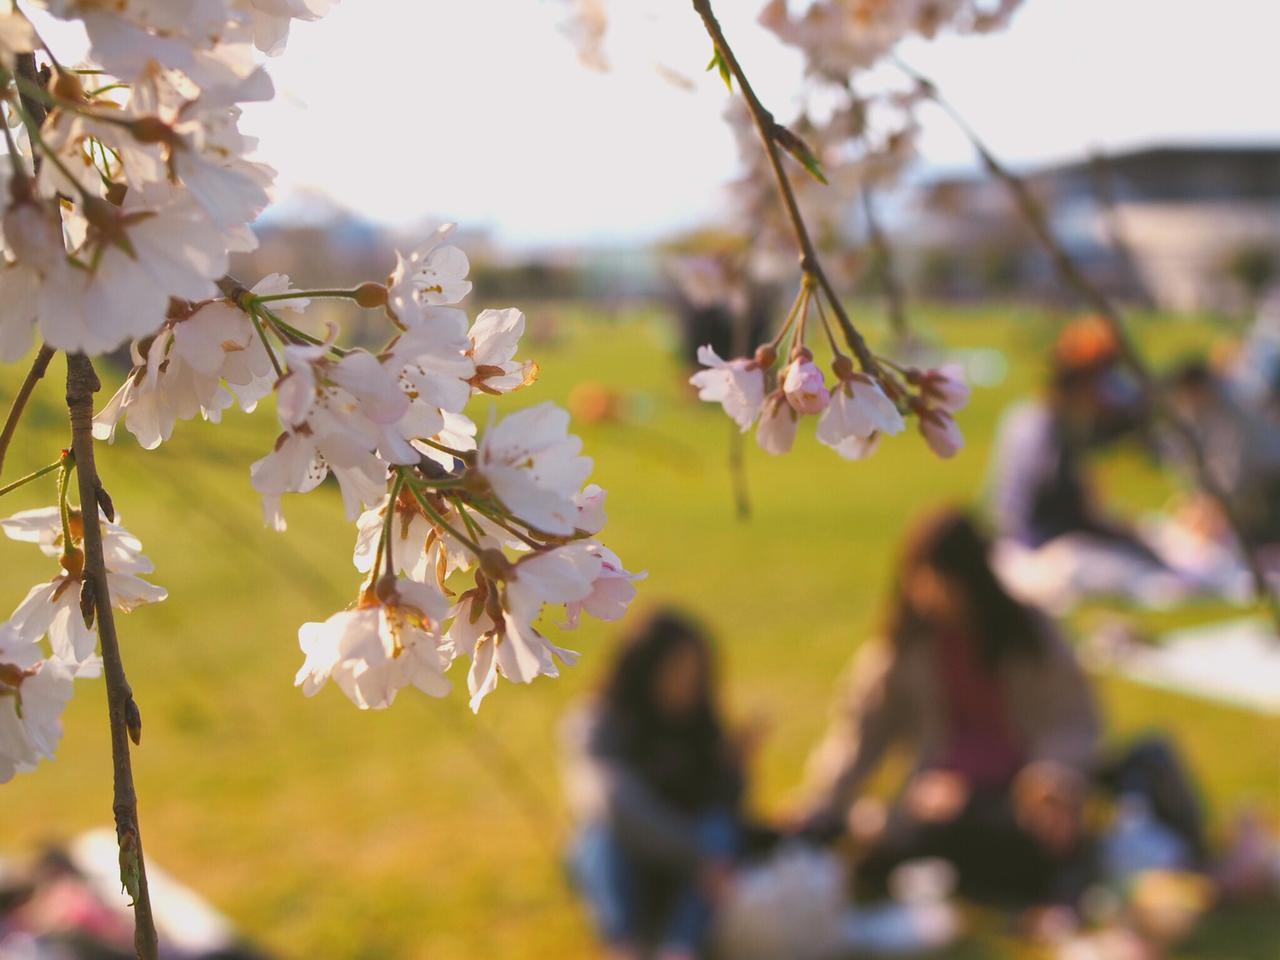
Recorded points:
(35, 683)
(839, 37)
(138, 184)
(854, 411)
(125, 186)
(430, 496)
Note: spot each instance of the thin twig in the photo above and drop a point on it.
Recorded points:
(38, 368)
(1071, 273)
(895, 300)
(33, 475)
(122, 711)
(768, 129)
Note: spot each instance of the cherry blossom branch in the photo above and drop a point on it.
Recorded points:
(1074, 276)
(770, 131)
(38, 368)
(122, 711)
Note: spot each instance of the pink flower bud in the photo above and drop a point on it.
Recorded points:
(804, 387)
(944, 388)
(941, 433)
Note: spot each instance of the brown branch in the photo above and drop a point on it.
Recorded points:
(19, 405)
(769, 130)
(1102, 180)
(122, 711)
(1070, 272)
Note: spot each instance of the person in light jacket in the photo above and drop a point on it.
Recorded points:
(657, 786)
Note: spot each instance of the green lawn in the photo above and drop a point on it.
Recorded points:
(327, 832)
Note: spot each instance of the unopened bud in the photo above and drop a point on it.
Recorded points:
(152, 130)
(370, 294)
(133, 721)
(766, 356)
(104, 502)
(101, 214)
(495, 564)
(67, 86)
(88, 603)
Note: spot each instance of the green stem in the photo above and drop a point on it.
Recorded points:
(436, 517)
(33, 131)
(492, 515)
(443, 448)
(266, 344)
(306, 295)
(384, 539)
(34, 475)
(67, 464)
(288, 331)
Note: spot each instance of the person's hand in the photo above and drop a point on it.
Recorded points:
(937, 796)
(1048, 802)
(866, 819)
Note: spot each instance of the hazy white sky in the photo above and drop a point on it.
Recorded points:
(479, 111)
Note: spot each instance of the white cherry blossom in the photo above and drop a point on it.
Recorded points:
(52, 608)
(859, 413)
(535, 467)
(779, 423)
(495, 337)
(433, 275)
(737, 385)
(499, 633)
(612, 590)
(34, 692)
(390, 640)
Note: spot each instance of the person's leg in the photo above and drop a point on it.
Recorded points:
(689, 920)
(998, 862)
(606, 878)
(903, 838)
(1151, 768)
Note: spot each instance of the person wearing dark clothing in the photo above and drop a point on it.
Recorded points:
(658, 787)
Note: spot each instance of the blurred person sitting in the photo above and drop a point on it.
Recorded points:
(1003, 731)
(1055, 540)
(1240, 442)
(657, 785)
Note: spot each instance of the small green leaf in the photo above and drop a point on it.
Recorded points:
(800, 151)
(718, 63)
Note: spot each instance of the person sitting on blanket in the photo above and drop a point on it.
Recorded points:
(1240, 443)
(1055, 542)
(657, 784)
(1003, 729)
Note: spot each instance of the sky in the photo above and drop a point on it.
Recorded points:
(479, 111)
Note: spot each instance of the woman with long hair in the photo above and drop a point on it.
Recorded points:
(657, 785)
(994, 707)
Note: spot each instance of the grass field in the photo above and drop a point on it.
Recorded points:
(330, 833)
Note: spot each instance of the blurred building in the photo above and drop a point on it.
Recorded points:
(1182, 228)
